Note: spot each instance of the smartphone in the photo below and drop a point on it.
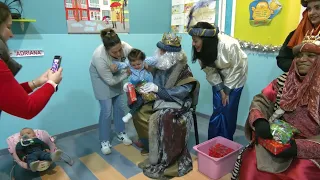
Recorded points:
(56, 63)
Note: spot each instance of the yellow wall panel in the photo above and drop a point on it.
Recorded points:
(274, 33)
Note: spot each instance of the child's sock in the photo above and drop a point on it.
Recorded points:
(56, 156)
(34, 166)
(127, 117)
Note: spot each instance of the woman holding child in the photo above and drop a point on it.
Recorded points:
(107, 81)
(163, 125)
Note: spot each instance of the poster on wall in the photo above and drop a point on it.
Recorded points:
(276, 31)
(181, 10)
(263, 11)
(91, 16)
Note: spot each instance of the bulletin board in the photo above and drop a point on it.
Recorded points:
(275, 32)
(181, 10)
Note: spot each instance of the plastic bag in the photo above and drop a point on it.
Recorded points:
(282, 131)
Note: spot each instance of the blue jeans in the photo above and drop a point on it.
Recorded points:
(38, 156)
(106, 106)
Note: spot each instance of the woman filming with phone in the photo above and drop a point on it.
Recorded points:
(14, 97)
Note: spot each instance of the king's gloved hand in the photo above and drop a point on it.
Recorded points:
(149, 87)
(262, 129)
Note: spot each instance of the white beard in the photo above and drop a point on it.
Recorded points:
(168, 59)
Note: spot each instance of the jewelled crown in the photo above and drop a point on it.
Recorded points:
(310, 37)
(171, 39)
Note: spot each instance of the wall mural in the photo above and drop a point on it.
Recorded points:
(91, 16)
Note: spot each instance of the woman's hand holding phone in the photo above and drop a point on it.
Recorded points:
(55, 76)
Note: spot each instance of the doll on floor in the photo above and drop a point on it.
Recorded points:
(32, 150)
(138, 65)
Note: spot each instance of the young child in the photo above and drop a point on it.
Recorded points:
(138, 64)
(32, 150)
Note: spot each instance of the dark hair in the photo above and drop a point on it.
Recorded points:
(136, 54)
(109, 38)
(4, 15)
(209, 50)
(4, 12)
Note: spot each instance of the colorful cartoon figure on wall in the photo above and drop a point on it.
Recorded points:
(115, 11)
(106, 19)
(263, 11)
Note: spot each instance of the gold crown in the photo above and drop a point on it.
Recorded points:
(171, 39)
(310, 38)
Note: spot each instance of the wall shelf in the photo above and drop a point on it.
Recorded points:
(22, 21)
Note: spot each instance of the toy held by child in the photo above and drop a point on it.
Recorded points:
(32, 150)
(138, 64)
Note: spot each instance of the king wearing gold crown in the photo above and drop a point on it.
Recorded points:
(164, 125)
(294, 98)
(170, 42)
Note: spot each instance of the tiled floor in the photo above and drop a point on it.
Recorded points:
(90, 164)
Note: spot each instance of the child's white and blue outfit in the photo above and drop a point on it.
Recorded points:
(136, 77)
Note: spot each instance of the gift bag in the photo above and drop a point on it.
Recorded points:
(282, 131)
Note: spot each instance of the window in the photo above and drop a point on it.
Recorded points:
(92, 15)
(105, 13)
(84, 13)
(94, 3)
(105, 2)
(70, 13)
(84, 2)
(97, 15)
(68, 4)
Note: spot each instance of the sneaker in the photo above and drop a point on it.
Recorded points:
(43, 165)
(124, 138)
(34, 166)
(105, 147)
(127, 118)
(56, 156)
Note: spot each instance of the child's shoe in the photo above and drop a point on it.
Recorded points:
(127, 118)
(34, 166)
(56, 156)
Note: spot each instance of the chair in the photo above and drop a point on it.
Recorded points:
(44, 165)
(195, 97)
